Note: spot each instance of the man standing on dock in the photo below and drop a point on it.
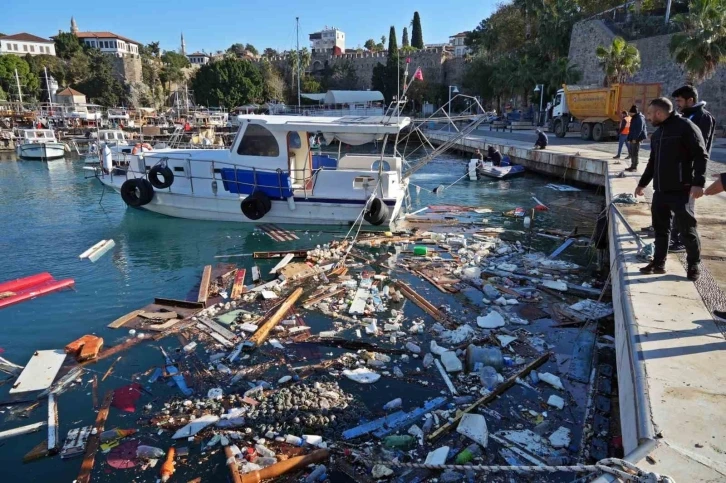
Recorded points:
(638, 133)
(686, 99)
(623, 134)
(676, 166)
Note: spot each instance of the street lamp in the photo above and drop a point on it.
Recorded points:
(452, 90)
(540, 88)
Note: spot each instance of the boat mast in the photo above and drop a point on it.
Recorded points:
(297, 54)
(47, 85)
(20, 93)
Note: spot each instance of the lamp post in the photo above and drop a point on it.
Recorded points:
(540, 88)
(452, 90)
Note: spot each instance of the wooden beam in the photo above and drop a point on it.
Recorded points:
(232, 465)
(238, 287)
(261, 335)
(326, 295)
(94, 392)
(204, 285)
(500, 389)
(94, 441)
(420, 301)
(185, 304)
(118, 323)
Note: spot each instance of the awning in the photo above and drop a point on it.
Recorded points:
(352, 97)
(314, 97)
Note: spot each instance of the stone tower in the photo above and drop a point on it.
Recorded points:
(183, 45)
(74, 26)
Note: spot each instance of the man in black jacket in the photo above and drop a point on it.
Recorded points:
(638, 133)
(676, 166)
(686, 98)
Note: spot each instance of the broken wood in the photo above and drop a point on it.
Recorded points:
(232, 465)
(280, 254)
(323, 296)
(30, 428)
(500, 389)
(110, 369)
(204, 285)
(94, 392)
(238, 286)
(436, 284)
(162, 327)
(420, 301)
(118, 323)
(38, 452)
(261, 335)
(52, 425)
(285, 260)
(218, 328)
(278, 469)
(158, 315)
(84, 476)
(185, 304)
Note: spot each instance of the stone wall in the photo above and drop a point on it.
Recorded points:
(656, 65)
(127, 69)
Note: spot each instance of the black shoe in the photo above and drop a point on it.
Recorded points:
(694, 272)
(616, 157)
(654, 267)
(631, 169)
(720, 315)
(627, 157)
(676, 247)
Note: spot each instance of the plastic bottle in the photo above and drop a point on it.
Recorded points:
(149, 452)
(489, 377)
(469, 453)
(399, 442)
(316, 474)
(293, 440)
(264, 451)
(478, 357)
(420, 251)
(167, 469)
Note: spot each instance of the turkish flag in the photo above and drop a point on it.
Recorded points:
(418, 75)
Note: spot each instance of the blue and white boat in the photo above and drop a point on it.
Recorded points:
(477, 169)
(39, 144)
(271, 174)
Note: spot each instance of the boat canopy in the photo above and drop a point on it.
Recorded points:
(314, 97)
(352, 97)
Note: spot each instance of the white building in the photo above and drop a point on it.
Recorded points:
(457, 42)
(110, 43)
(198, 59)
(330, 40)
(24, 43)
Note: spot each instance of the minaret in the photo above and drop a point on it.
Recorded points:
(183, 45)
(74, 26)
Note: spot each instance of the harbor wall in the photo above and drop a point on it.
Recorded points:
(127, 69)
(563, 166)
(657, 65)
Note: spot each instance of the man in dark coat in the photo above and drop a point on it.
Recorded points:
(686, 98)
(676, 166)
(638, 133)
(494, 155)
(541, 142)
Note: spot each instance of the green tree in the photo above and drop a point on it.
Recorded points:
(370, 45)
(404, 40)
(417, 33)
(701, 46)
(228, 82)
(56, 68)
(383, 40)
(78, 68)
(29, 82)
(273, 86)
(380, 47)
(251, 49)
(342, 76)
(101, 86)
(559, 72)
(269, 52)
(150, 50)
(175, 60)
(619, 61)
(67, 45)
(310, 85)
(237, 49)
(392, 42)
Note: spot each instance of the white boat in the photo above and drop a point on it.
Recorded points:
(117, 144)
(118, 115)
(39, 144)
(271, 175)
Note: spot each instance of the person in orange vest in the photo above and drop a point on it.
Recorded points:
(623, 134)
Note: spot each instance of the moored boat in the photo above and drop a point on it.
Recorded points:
(39, 144)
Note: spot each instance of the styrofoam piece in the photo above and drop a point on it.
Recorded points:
(195, 426)
(556, 401)
(437, 456)
(474, 427)
(551, 379)
(492, 320)
(101, 251)
(286, 259)
(451, 362)
(555, 285)
(505, 340)
(362, 375)
(560, 438)
(40, 371)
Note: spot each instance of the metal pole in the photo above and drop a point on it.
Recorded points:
(541, 99)
(297, 53)
(20, 93)
(668, 12)
(448, 126)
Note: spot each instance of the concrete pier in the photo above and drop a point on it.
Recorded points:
(671, 353)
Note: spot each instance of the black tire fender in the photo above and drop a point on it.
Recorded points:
(137, 192)
(256, 205)
(166, 174)
(376, 213)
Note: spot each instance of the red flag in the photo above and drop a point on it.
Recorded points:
(418, 75)
(408, 60)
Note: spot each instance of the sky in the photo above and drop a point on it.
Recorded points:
(264, 23)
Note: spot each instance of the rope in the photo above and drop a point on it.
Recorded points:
(629, 471)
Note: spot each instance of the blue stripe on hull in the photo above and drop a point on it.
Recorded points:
(339, 201)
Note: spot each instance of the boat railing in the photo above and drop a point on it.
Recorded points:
(259, 176)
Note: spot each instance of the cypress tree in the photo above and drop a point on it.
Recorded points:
(404, 40)
(392, 42)
(417, 34)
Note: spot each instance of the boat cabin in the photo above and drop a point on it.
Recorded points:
(37, 136)
(112, 137)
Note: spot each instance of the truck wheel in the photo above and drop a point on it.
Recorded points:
(598, 132)
(559, 129)
(586, 131)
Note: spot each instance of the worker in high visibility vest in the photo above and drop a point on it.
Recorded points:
(623, 134)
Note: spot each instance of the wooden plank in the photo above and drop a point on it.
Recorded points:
(94, 441)
(261, 335)
(499, 390)
(118, 323)
(94, 392)
(238, 286)
(280, 254)
(186, 304)
(268, 230)
(433, 282)
(204, 285)
(52, 424)
(163, 326)
(227, 334)
(39, 372)
(110, 369)
(38, 452)
(420, 301)
(287, 259)
(326, 295)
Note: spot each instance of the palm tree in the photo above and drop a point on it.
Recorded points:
(701, 46)
(619, 61)
(561, 72)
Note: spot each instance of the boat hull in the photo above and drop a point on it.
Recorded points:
(41, 151)
(500, 172)
(305, 211)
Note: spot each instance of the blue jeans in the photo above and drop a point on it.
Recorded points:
(623, 139)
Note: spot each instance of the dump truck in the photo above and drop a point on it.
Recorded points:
(595, 111)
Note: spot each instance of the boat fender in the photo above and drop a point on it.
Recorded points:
(141, 148)
(166, 175)
(256, 205)
(137, 192)
(291, 203)
(376, 213)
